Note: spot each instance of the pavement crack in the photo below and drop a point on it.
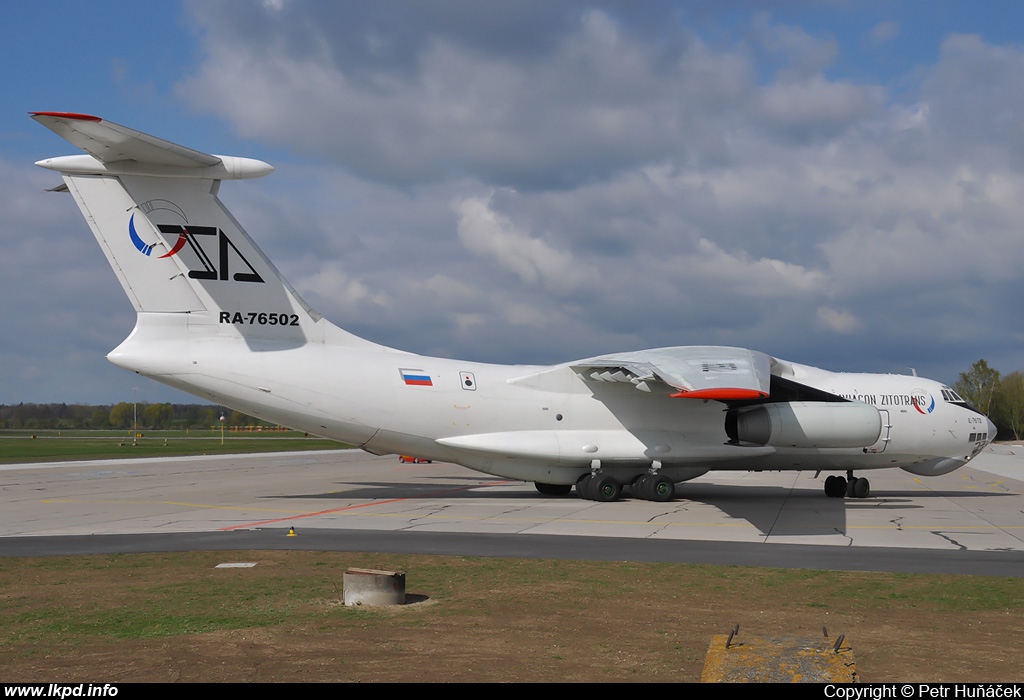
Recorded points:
(433, 512)
(510, 511)
(654, 518)
(657, 530)
(950, 540)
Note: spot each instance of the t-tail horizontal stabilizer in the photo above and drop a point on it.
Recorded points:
(117, 150)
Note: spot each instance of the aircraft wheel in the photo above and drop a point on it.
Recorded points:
(660, 488)
(850, 484)
(583, 487)
(553, 489)
(860, 488)
(835, 486)
(604, 488)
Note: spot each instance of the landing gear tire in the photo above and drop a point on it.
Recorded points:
(835, 486)
(604, 488)
(553, 489)
(858, 488)
(583, 487)
(659, 489)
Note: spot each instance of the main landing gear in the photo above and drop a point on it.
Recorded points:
(654, 487)
(851, 487)
(598, 486)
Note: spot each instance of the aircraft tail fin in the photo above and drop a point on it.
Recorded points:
(152, 206)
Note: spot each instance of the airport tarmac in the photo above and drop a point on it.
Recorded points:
(969, 521)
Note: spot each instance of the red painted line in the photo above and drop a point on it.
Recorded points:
(360, 505)
(68, 115)
(721, 394)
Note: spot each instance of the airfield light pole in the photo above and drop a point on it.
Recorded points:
(222, 430)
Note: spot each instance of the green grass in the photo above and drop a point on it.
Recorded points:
(70, 600)
(175, 617)
(22, 446)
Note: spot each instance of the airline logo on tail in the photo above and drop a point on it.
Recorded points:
(211, 270)
(147, 248)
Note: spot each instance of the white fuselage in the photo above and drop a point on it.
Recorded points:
(528, 422)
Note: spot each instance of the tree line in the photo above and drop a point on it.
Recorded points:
(148, 416)
(998, 397)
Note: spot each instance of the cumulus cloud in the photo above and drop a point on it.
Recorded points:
(802, 54)
(489, 234)
(346, 292)
(596, 99)
(762, 277)
(839, 320)
(817, 108)
(884, 31)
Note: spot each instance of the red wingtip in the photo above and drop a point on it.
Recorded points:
(68, 115)
(721, 394)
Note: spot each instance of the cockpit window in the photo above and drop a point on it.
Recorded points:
(951, 396)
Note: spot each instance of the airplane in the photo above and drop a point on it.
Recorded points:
(216, 319)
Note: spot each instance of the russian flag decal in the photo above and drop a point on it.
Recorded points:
(415, 377)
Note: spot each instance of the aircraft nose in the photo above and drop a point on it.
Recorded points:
(991, 431)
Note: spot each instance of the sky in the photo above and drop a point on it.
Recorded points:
(838, 184)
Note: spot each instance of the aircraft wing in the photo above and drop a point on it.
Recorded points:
(697, 372)
(108, 142)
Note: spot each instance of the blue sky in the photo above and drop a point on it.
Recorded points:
(834, 183)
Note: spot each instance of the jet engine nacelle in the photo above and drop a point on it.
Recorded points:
(806, 424)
